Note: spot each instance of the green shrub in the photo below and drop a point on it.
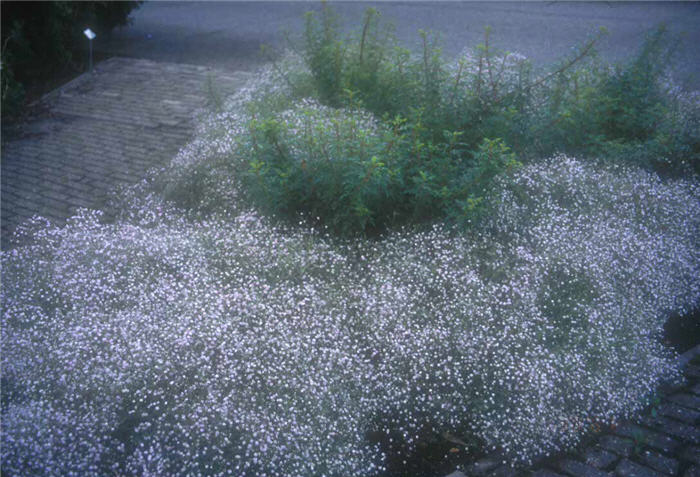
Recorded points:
(624, 113)
(324, 54)
(39, 39)
(337, 167)
(350, 172)
(360, 135)
(12, 93)
(428, 156)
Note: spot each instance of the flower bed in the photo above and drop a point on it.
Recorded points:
(195, 336)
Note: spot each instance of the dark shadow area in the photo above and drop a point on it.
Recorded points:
(682, 332)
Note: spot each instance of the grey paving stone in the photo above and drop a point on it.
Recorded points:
(56, 195)
(123, 177)
(682, 431)
(55, 210)
(659, 462)
(456, 473)
(32, 202)
(9, 194)
(5, 206)
(23, 212)
(627, 468)
(579, 469)
(6, 211)
(680, 413)
(692, 371)
(70, 176)
(77, 201)
(599, 457)
(14, 220)
(106, 128)
(692, 471)
(691, 454)
(503, 471)
(21, 168)
(645, 437)
(616, 444)
(545, 473)
(485, 465)
(690, 401)
(695, 389)
(81, 189)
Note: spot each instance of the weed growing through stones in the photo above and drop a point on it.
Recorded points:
(196, 336)
(214, 99)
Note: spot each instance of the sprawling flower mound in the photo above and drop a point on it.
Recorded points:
(162, 345)
(195, 335)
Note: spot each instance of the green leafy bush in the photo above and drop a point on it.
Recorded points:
(12, 94)
(336, 166)
(348, 171)
(624, 113)
(40, 38)
(444, 129)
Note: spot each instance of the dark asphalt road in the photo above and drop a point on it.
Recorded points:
(229, 34)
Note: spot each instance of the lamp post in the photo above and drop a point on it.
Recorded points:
(90, 36)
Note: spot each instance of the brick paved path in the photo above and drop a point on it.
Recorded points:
(664, 442)
(100, 130)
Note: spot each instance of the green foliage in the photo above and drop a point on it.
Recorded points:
(345, 170)
(39, 39)
(332, 166)
(12, 92)
(324, 54)
(428, 160)
(214, 99)
(491, 158)
(370, 136)
(630, 99)
(623, 113)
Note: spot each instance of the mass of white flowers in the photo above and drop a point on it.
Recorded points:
(162, 344)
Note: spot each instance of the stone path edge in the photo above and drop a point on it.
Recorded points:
(101, 129)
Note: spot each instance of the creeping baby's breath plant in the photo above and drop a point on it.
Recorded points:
(161, 345)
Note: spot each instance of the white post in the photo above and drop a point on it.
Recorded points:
(90, 36)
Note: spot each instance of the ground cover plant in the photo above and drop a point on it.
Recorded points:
(324, 279)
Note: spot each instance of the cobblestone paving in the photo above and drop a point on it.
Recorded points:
(664, 442)
(100, 130)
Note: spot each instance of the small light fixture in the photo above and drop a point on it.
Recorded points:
(90, 36)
